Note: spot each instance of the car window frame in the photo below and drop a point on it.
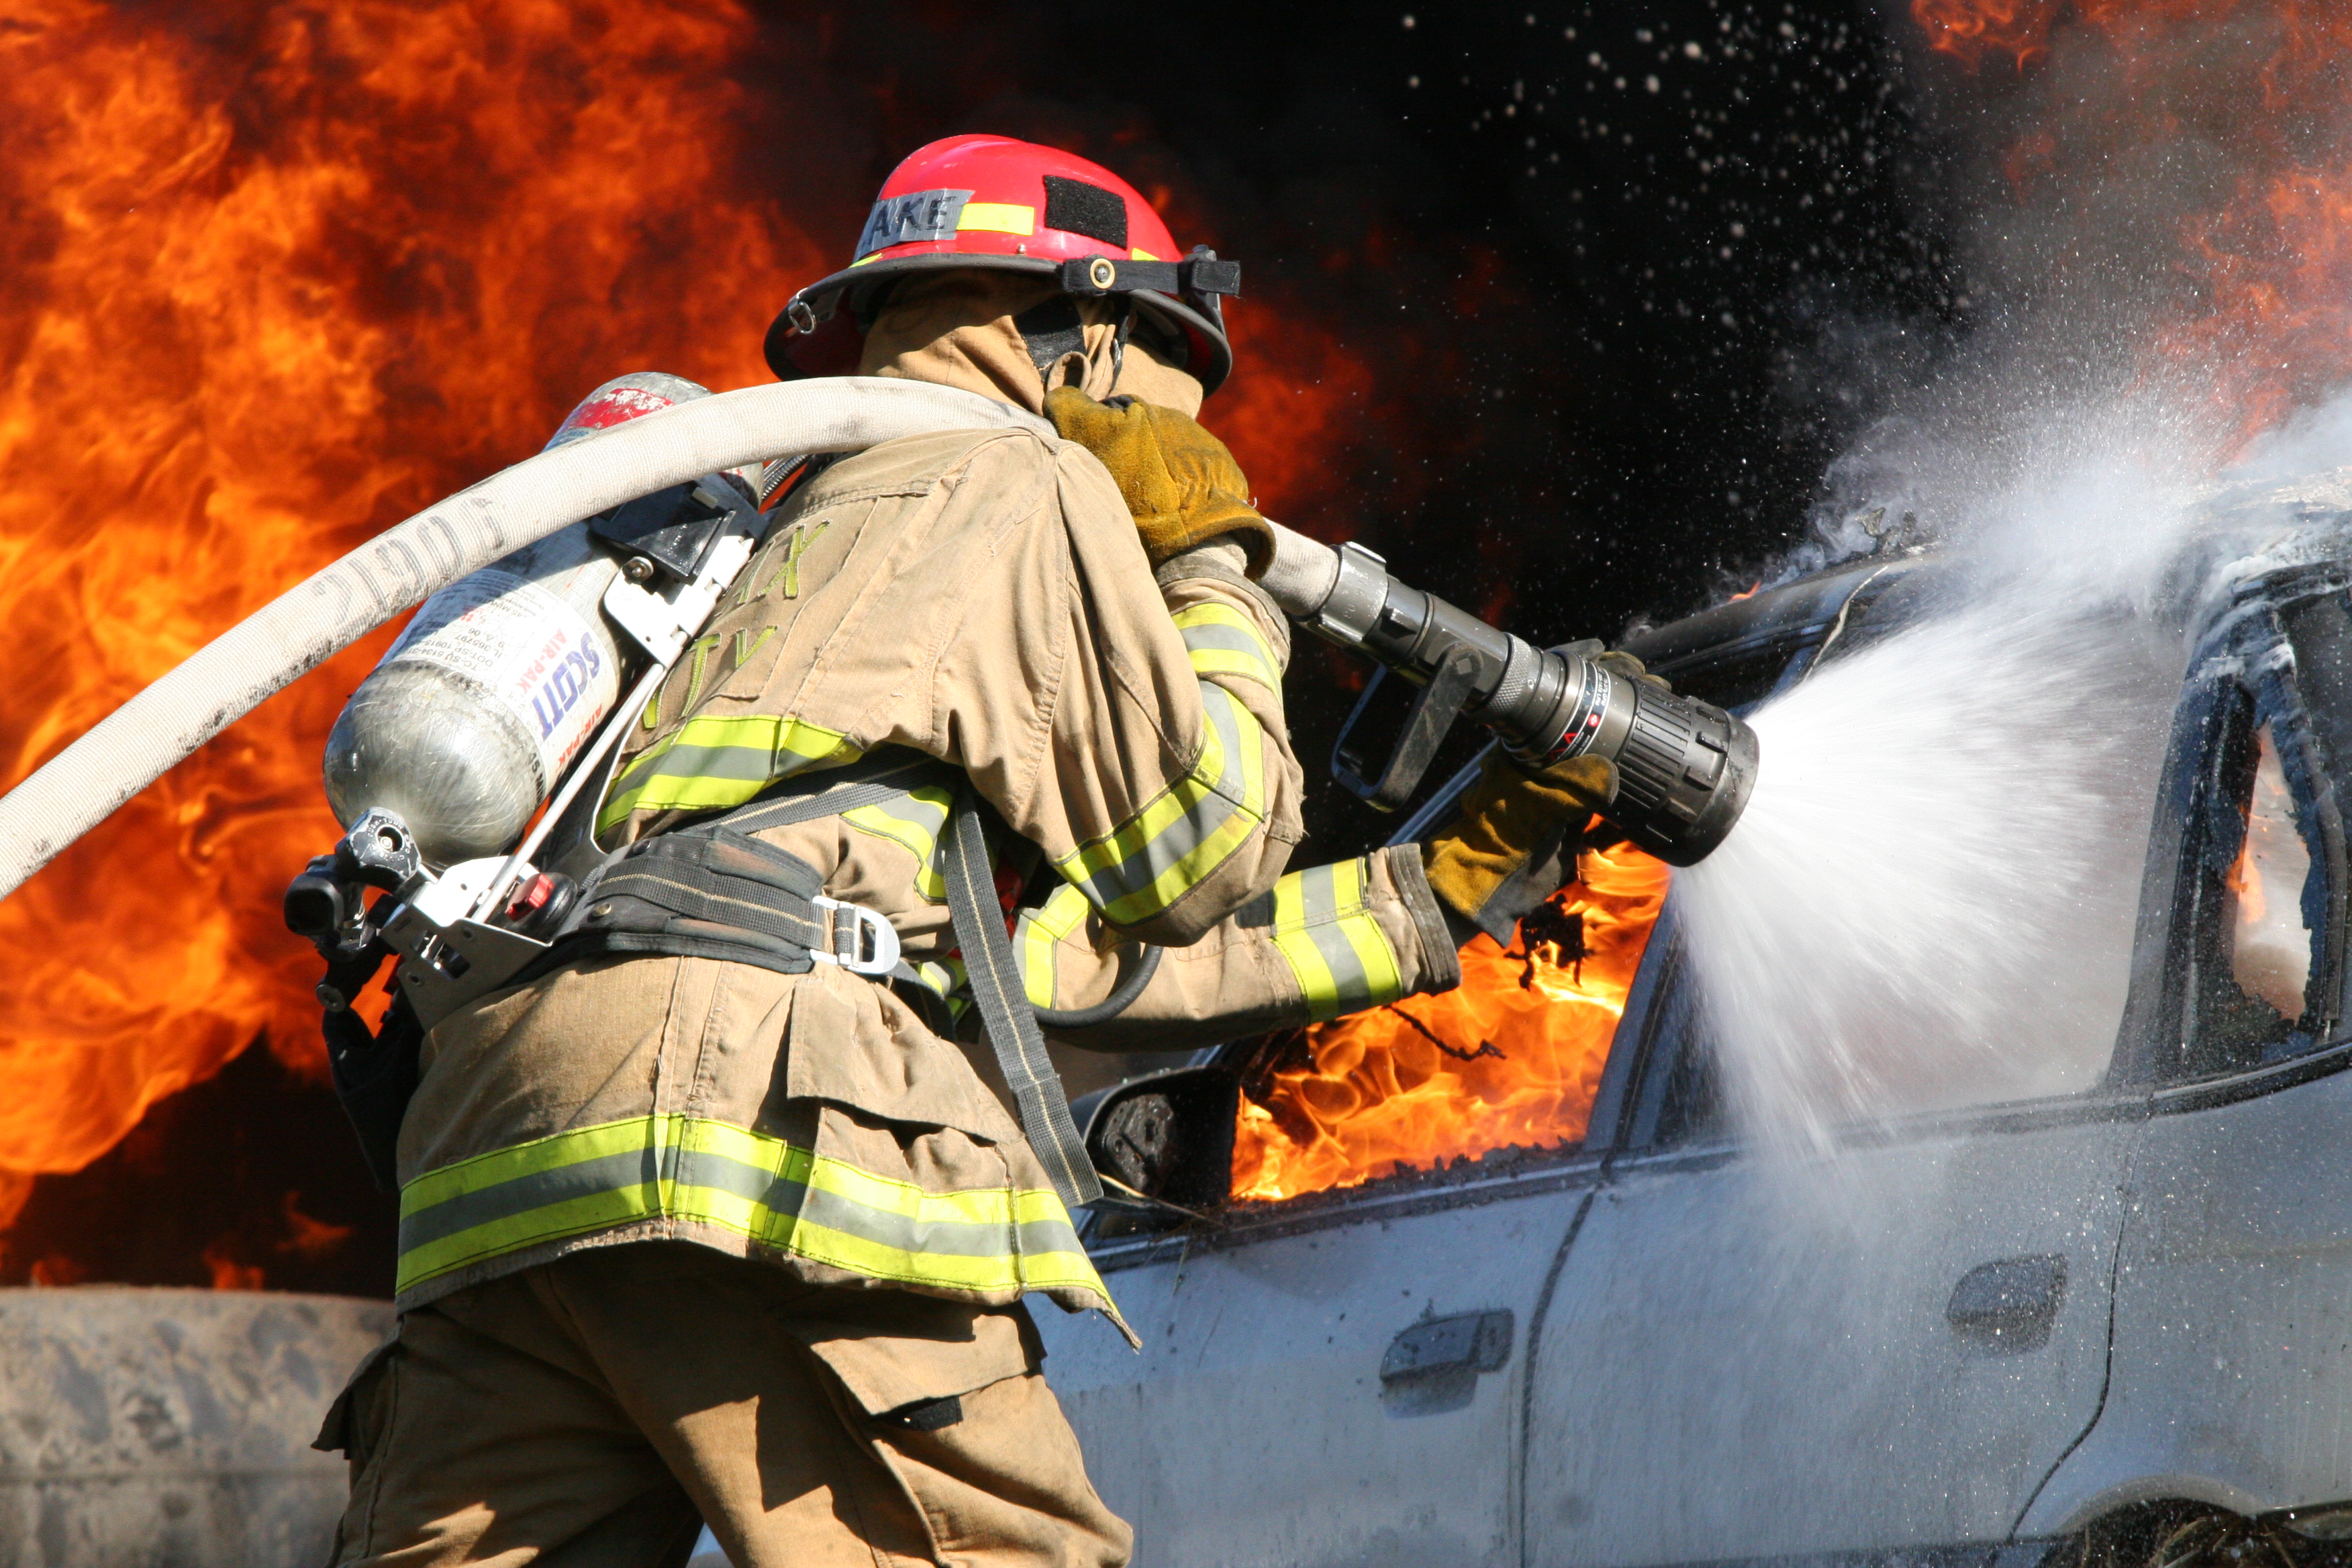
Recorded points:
(1795, 626)
(2243, 638)
(1667, 1070)
(2237, 682)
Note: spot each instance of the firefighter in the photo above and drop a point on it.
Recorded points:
(708, 1219)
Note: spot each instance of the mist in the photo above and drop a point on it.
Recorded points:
(1930, 900)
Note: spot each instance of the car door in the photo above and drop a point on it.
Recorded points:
(1890, 1347)
(1333, 1380)
(2232, 1381)
(1742, 1361)
(1342, 1378)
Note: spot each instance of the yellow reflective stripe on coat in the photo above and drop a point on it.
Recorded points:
(945, 978)
(715, 761)
(915, 821)
(1335, 947)
(1183, 833)
(1222, 640)
(777, 1195)
(1042, 930)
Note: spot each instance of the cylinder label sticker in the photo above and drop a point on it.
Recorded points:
(544, 662)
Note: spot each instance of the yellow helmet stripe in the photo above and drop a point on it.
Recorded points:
(998, 217)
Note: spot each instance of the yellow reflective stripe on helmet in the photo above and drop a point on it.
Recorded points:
(998, 217)
(1141, 256)
(1183, 833)
(914, 821)
(1042, 929)
(1223, 640)
(718, 760)
(1337, 950)
(770, 1192)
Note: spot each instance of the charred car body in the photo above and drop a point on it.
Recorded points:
(2099, 1321)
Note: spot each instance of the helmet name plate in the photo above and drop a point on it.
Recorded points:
(917, 214)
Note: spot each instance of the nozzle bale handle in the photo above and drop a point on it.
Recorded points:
(1545, 706)
(1683, 767)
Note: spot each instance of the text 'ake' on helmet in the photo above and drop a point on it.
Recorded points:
(993, 201)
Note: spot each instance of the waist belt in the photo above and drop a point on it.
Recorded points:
(713, 891)
(722, 895)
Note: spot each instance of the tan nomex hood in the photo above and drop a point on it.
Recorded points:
(957, 329)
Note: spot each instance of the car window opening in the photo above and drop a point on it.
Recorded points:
(1511, 1059)
(2270, 946)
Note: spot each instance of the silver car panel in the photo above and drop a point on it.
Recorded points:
(2232, 1381)
(1674, 1352)
(1746, 1359)
(1255, 1429)
(2232, 1330)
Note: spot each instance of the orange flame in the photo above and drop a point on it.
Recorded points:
(58, 1269)
(2276, 268)
(1510, 1059)
(275, 275)
(264, 298)
(228, 1273)
(2268, 323)
(308, 1237)
(1971, 29)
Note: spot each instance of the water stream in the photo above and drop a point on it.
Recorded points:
(1929, 901)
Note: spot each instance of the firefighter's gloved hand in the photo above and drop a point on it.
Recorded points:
(1476, 863)
(1617, 661)
(1179, 482)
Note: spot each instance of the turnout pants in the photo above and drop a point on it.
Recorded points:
(592, 1411)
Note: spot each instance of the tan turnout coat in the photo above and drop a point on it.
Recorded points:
(980, 599)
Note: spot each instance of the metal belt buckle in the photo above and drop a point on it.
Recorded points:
(873, 941)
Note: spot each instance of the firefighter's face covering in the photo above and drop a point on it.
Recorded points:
(1020, 341)
(1013, 338)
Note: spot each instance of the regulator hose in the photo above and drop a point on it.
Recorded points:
(131, 748)
(1122, 997)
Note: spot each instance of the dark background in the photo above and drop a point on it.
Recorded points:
(1618, 276)
(1624, 274)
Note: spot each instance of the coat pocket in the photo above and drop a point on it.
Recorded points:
(906, 1360)
(842, 1046)
(357, 1416)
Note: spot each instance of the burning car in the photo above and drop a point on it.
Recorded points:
(1495, 1278)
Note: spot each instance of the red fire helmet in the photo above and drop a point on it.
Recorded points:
(989, 201)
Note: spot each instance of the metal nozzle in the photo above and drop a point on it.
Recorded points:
(1683, 767)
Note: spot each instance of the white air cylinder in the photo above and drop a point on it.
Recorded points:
(471, 719)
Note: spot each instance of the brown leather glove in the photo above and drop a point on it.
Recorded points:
(1179, 482)
(1509, 816)
(1619, 661)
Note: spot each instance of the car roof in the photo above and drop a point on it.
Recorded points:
(1796, 612)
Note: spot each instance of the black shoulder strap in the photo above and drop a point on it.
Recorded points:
(1004, 1010)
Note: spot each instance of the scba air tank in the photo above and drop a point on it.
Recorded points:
(499, 681)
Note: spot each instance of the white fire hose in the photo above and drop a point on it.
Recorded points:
(83, 784)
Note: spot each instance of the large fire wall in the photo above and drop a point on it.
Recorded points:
(1531, 300)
